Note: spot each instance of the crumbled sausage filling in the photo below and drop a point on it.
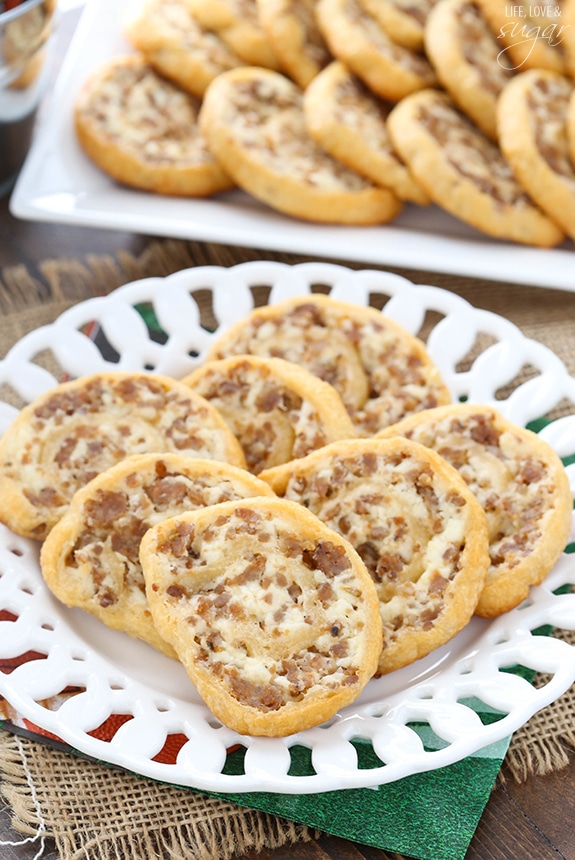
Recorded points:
(273, 627)
(271, 421)
(418, 10)
(152, 118)
(379, 377)
(409, 529)
(548, 102)
(242, 10)
(312, 41)
(471, 154)
(267, 118)
(358, 109)
(377, 37)
(481, 50)
(107, 546)
(172, 18)
(77, 433)
(514, 488)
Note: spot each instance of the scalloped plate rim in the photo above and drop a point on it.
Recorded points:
(258, 781)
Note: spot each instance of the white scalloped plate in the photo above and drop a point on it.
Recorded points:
(120, 676)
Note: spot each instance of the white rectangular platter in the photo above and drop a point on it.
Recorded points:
(59, 184)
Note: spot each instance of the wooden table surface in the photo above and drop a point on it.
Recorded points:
(534, 821)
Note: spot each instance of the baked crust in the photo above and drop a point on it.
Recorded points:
(237, 23)
(142, 130)
(414, 522)
(90, 559)
(349, 121)
(467, 59)
(404, 21)
(519, 481)
(78, 429)
(273, 615)
(359, 41)
(532, 122)
(464, 172)
(568, 36)
(570, 128)
(277, 410)
(253, 121)
(531, 36)
(178, 47)
(380, 370)
(295, 37)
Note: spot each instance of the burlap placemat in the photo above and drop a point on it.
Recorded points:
(100, 813)
(31, 298)
(51, 792)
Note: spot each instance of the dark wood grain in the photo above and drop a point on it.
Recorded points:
(548, 803)
(26, 851)
(506, 830)
(26, 243)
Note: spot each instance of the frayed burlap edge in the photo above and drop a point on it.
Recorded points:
(53, 794)
(70, 280)
(545, 743)
(64, 281)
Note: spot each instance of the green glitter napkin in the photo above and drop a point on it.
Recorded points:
(428, 816)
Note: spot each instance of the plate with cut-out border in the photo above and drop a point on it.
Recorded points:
(118, 700)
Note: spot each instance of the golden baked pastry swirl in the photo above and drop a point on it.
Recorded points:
(90, 559)
(519, 481)
(78, 429)
(380, 370)
(273, 614)
(414, 522)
